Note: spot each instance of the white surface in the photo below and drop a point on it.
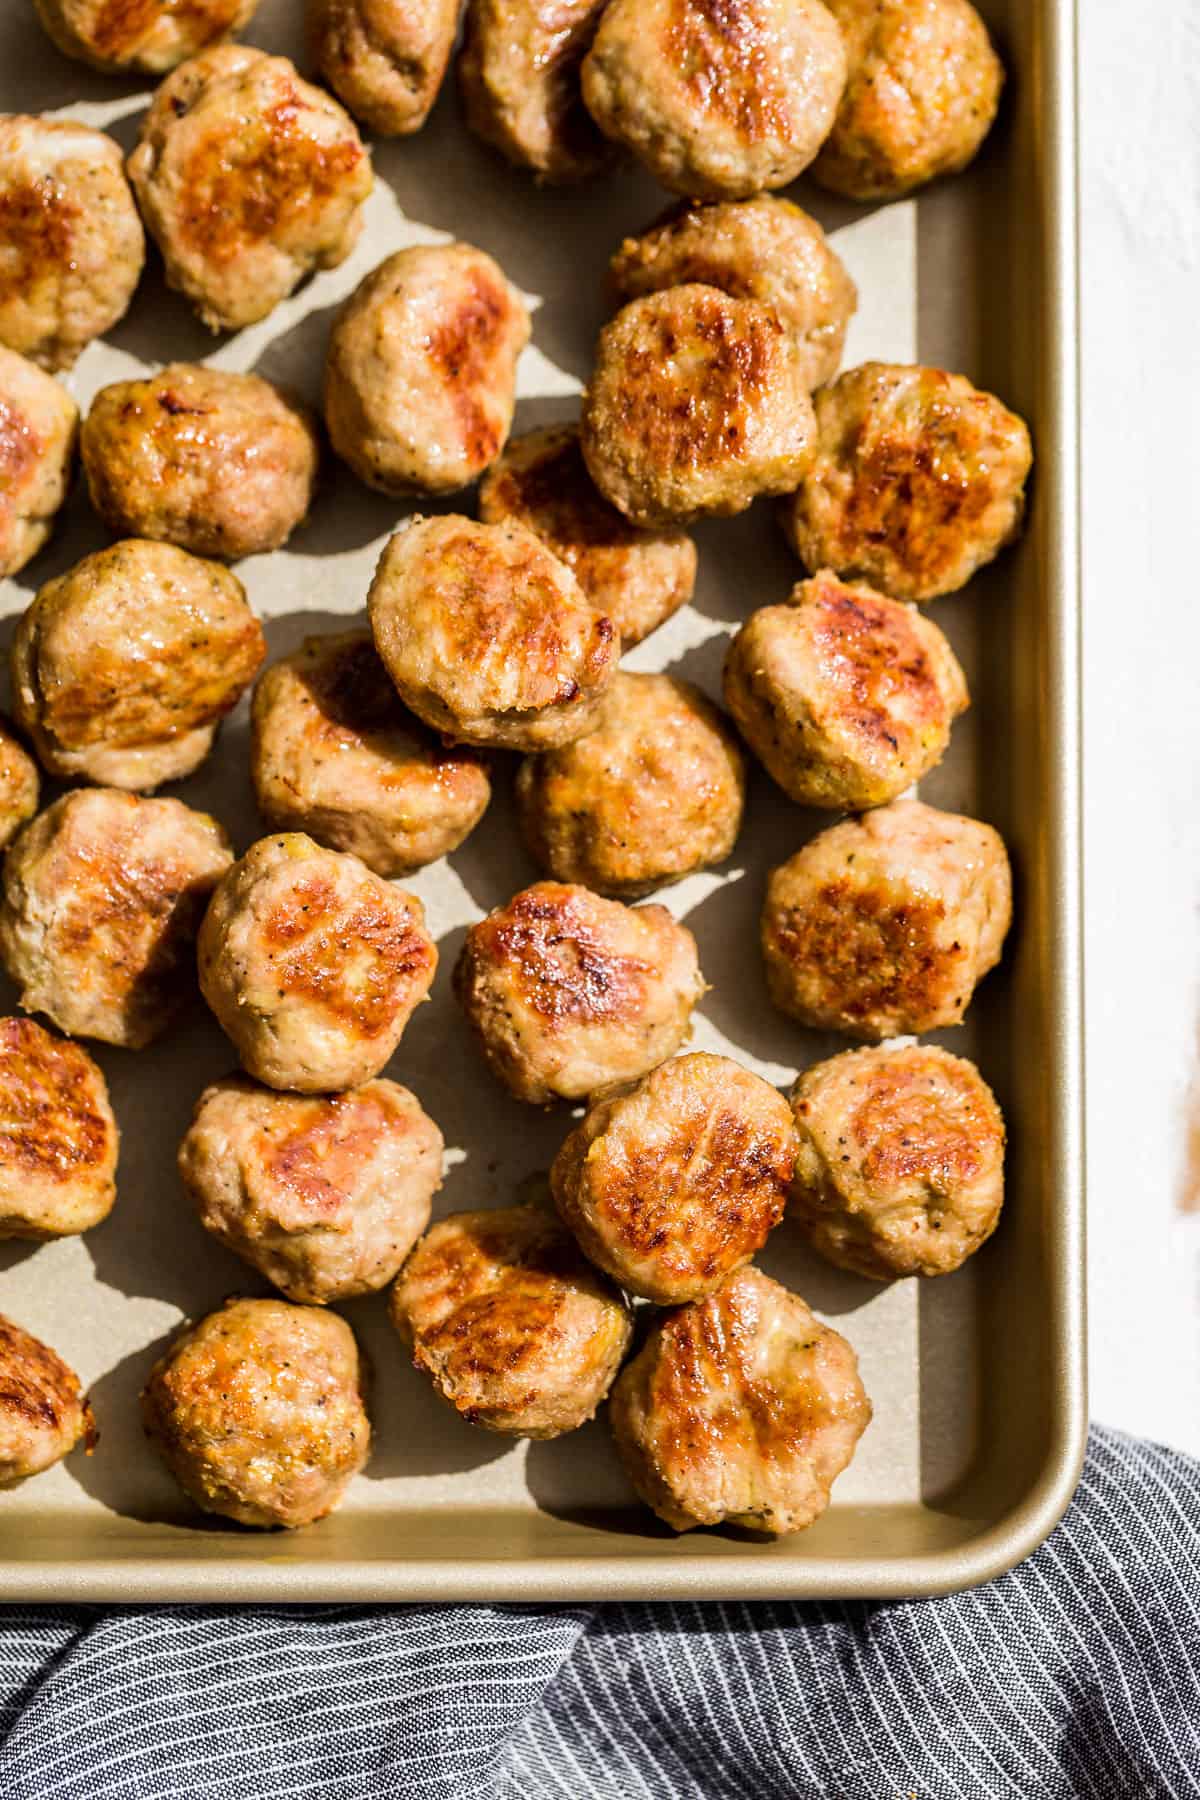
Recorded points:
(1140, 194)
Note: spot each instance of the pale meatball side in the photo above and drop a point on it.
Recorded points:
(519, 77)
(39, 428)
(672, 1184)
(514, 1328)
(218, 463)
(44, 1413)
(150, 36)
(259, 1412)
(718, 98)
(325, 1195)
(697, 404)
(654, 792)
(900, 1160)
(58, 1139)
(124, 667)
(922, 91)
(487, 636)
(639, 578)
(312, 964)
(764, 249)
(71, 243)
(884, 924)
(421, 374)
(846, 697)
(334, 753)
(741, 1409)
(384, 59)
(567, 992)
(918, 480)
(20, 785)
(248, 178)
(103, 896)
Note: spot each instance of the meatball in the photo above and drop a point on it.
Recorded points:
(845, 696)
(103, 896)
(884, 924)
(741, 1408)
(487, 635)
(248, 179)
(220, 464)
(763, 249)
(71, 243)
(335, 754)
(421, 375)
(653, 793)
(259, 1412)
(384, 59)
(312, 964)
(671, 1184)
(39, 425)
(515, 1330)
(19, 785)
(150, 36)
(922, 90)
(123, 668)
(718, 98)
(43, 1411)
(697, 404)
(519, 79)
(917, 482)
(58, 1137)
(638, 578)
(327, 1195)
(900, 1167)
(567, 993)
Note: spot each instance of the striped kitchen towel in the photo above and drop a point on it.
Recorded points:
(1077, 1675)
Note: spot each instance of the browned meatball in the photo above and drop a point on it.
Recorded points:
(148, 35)
(39, 425)
(653, 793)
(763, 249)
(421, 376)
(519, 79)
(325, 1195)
(638, 578)
(248, 179)
(742, 1408)
(259, 1411)
(103, 895)
(220, 464)
(58, 1137)
(124, 667)
(487, 635)
(384, 59)
(922, 90)
(718, 98)
(673, 1183)
(19, 785)
(697, 404)
(917, 482)
(335, 754)
(568, 993)
(43, 1411)
(900, 1166)
(845, 696)
(515, 1330)
(71, 243)
(313, 964)
(884, 924)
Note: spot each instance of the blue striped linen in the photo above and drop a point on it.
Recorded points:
(1077, 1675)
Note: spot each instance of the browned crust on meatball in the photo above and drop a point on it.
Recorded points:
(518, 75)
(39, 427)
(20, 785)
(43, 1412)
(58, 1136)
(384, 59)
(148, 35)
